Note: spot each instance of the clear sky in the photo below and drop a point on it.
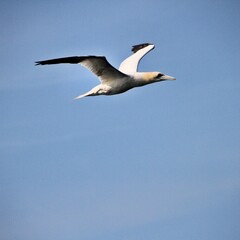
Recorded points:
(157, 162)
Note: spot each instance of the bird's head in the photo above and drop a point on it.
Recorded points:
(144, 78)
(158, 76)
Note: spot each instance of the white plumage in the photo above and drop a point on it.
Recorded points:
(114, 81)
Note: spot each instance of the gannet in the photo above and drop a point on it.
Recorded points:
(112, 80)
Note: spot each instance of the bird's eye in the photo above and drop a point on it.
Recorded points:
(159, 75)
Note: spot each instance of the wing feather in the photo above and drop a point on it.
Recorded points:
(130, 64)
(96, 64)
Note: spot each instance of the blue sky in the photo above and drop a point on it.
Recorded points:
(158, 162)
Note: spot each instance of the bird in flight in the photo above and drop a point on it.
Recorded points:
(112, 80)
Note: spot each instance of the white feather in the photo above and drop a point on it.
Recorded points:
(130, 64)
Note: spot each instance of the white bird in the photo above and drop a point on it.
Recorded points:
(114, 81)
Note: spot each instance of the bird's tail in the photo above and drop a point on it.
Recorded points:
(92, 92)
(81, 96)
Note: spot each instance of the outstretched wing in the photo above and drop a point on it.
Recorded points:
(130, 64)
(97, 64)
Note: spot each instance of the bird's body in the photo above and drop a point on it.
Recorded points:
(114, 81)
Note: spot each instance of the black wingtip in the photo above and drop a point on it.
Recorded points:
(137, 47)
(37, 63)
(72, 60)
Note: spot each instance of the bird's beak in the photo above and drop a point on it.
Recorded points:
(167, 77)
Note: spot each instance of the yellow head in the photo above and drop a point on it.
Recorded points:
(151, 77)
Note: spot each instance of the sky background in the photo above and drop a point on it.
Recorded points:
(157, 162)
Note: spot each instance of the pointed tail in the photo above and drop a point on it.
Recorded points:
(92, 92)
(81, 96)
